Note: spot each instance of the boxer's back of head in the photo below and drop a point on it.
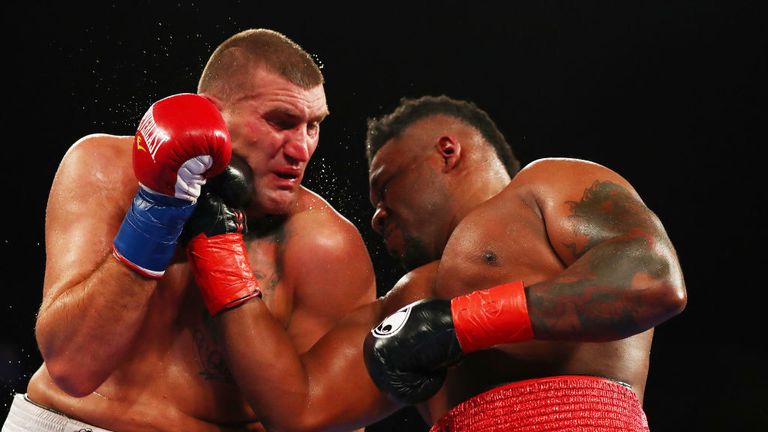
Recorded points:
(244, 52)
(386, 127)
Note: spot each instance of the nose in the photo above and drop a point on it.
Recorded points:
(378, 221)
(297, 146)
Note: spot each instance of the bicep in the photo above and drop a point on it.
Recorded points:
(589, 205)
(331, 279)
(342, 390)
(621, 276)
(339, 381)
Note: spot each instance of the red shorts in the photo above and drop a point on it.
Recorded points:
(561, 403)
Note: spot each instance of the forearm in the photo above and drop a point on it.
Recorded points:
(84, 332)
(618, 288)
(265, 364)
(325, 389)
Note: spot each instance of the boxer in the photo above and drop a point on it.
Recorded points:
(530, 302)
(126, 336)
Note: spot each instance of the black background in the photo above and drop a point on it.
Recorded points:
(671, 94)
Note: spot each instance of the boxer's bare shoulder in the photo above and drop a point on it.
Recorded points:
(333, 238)
(100, 145)
(329, 227)
(553, 177)
(321, 269)
(96, 160)
(582, 203)
(90, 191)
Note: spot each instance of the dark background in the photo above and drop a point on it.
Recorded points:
(671, 94)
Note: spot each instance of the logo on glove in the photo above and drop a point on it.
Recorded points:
(153, 135)
(138, 143)
(393, 323)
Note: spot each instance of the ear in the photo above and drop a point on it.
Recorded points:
(450, 150)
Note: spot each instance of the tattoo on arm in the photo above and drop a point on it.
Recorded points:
(615, 256)
(605, 210)
(210, 353)
(270, 237)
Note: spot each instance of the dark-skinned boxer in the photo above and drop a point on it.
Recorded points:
(529, 304)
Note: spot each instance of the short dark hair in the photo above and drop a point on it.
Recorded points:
(262, 47)
(384, 128)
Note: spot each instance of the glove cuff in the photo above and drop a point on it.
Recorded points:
(221, 269)
(491, 317)
(147, 237)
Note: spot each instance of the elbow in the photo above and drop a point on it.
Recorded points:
(677, 299)
(667, 290)
(67, 372)
(671, 299)
(71, 378)
(677, 295)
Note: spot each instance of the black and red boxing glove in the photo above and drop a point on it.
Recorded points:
(407, 355)
(214, 237)
(181, 141)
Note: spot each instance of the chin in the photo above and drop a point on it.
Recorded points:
(415, 254)
(279, 203)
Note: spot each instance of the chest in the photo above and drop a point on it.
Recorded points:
(499, 242)
(178, 297)
(267, 256)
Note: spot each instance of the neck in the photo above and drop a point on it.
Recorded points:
(265, 225)
(274, 213)
(476, 192)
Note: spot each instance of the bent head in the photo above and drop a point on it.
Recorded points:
(270, 93)
(430, 162)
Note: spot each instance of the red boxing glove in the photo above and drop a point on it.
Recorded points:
(498, 315)
(221, 269)
(408, 353)
(216, 249)
(181, 141)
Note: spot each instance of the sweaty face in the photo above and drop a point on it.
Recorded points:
(275, 127)
(408, 199)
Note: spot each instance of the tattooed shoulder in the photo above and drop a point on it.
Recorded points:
(606, 209)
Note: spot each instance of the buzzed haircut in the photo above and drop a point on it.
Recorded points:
(260, 47)
(384, 128)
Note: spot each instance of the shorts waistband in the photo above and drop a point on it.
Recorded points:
(560, 403)
(26, 415)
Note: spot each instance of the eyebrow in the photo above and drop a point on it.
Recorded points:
(374, 183)
(289, 112)
(372, 198)
(374, 179)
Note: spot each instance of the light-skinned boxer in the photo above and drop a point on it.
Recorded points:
(125, 334)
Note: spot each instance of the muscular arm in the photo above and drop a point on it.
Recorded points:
(327, 264)
(92, 305)
(622, 275)
(327, 388)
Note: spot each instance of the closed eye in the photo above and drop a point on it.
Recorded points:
(280, 124)
(382, 192)
(282, 120)
(313, 128)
